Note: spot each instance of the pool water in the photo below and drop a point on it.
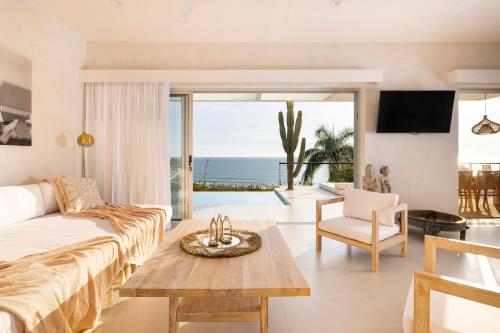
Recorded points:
(235, 198)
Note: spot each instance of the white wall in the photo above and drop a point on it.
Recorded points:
(15, 69)
(56, 54)
(423, 167)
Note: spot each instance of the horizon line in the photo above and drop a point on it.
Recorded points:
(194, 156)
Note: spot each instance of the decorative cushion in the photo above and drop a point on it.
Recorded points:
(359, 204)
(49, 197)
(356, 229)
(77, 194)
(20, 203)
(60, 194)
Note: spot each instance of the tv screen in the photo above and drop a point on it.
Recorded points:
(415, 111)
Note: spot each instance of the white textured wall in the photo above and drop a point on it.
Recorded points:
(15, 69)
(57, 54)
(423, 167)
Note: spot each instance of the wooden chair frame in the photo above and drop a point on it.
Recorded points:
(486, 187)
(376, 245)
(428, 280)
(465, 189)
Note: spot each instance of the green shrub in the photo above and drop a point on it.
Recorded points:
(201, 187)
(341, 173)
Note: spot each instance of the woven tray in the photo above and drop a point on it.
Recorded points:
(244, 242)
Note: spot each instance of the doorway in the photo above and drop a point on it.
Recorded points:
(479, 156)
(180, 156)
(238, 156)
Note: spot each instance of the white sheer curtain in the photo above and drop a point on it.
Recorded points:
(130, 159)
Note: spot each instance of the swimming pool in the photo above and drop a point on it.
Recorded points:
(204, 199)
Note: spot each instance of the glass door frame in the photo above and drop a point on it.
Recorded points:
(187, 151)
(187, 93)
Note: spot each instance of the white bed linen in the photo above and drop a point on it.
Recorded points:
(46, 233)
(10, 324)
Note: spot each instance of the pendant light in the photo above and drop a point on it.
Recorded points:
(485, 126)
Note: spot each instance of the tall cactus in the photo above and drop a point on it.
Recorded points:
(290, 139)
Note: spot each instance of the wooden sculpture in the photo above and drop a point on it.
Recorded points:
(370, 182)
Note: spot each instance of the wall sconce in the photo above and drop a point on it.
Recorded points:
(84, 140)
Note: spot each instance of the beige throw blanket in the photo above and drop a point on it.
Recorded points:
(60, 290)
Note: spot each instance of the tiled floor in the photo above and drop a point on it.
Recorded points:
(346, 295)
(483, 210)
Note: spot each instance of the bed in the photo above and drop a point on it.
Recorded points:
(43, 233)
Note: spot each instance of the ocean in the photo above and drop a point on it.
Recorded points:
(239, 170)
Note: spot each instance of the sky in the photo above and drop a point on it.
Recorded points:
(250, 129)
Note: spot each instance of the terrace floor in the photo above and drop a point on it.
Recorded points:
(482, 211)
(302, 207)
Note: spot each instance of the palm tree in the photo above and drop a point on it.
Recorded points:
(331, 147)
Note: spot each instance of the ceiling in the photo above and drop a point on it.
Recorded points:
(280, 20)
(273, 97)
(479, 96)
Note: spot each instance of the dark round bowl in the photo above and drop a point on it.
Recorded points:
(434, 216)
(433, 222)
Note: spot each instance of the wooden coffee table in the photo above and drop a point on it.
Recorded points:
(229, 289)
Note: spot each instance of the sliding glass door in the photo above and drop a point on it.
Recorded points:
(180, 157)
(238, 152)
(229, 154)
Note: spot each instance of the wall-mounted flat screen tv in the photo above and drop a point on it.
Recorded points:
(415, 111)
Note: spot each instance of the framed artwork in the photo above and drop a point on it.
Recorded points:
(15, 99)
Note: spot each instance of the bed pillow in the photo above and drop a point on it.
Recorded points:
(359, 204)
(20, 203)
(77, 194)
(49, 197)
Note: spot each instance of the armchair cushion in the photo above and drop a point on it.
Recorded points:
(356, 229)
(359, 204)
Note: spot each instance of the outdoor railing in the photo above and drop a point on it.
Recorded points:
(491, 171)
(342, 172)
(478, 166)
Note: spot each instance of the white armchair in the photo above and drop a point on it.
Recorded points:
(368, 222)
